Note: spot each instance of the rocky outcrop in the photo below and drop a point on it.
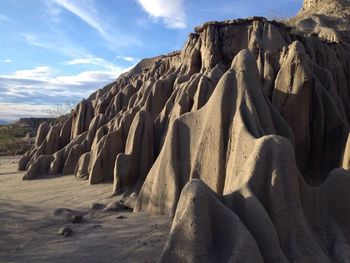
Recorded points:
(131, 168)
(236, 105)
(81, 118)
(242, 137)
(326, 19)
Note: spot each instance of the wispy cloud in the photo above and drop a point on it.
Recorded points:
(128, 59)
(87, 11)
(91, 60)
(172, 13)
(100, 63)
(56, 43)
(33, 40)
(7, 60)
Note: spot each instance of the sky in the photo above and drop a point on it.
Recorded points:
(56, 52)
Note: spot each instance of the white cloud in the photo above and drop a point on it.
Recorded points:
(36, 77)
(80, 61)
(7, 60)
(38, 73)
(85, 11)
(128, 59)
(38, 86)
(171, 12)
(27, 93)
(10, 111)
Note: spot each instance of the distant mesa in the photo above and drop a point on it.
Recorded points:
(3, 122)
(17, 137)
(33, 122)
(242, 138)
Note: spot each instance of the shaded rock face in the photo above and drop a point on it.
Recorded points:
(242, 138)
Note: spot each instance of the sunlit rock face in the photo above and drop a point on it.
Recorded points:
(326, 19)
(311, 3)
(308, 4)
(242, 137)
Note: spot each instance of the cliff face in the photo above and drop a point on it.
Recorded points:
(241, 137)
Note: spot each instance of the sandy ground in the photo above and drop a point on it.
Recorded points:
(31, 214)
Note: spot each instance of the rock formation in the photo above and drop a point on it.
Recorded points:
(327, 19)
(242, 137)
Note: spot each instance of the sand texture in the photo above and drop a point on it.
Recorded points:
(32, 213)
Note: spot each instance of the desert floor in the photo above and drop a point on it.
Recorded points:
(32, 212)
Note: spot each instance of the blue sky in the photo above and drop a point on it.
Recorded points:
(54, 51)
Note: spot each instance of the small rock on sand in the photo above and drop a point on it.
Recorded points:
(116, 206)
(77, 219)
(97, 206)
(65, 231)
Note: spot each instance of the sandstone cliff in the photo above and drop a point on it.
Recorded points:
(242, 137)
